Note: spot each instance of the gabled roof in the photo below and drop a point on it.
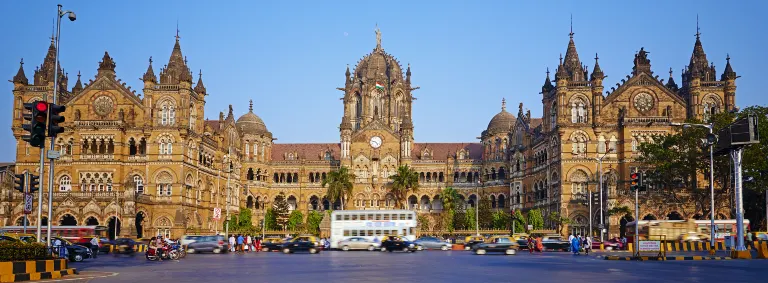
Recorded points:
(441, 151)
(308, 151)
(645, 79)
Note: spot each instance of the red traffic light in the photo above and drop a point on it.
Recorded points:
(634, 176)
(41, 106)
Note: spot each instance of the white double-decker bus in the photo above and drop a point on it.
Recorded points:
(371, 224)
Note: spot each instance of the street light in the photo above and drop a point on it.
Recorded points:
(709, 142)
(59, 14)
(477, 205)
(600, 185)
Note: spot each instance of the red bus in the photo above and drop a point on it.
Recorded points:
(673, 229)
(75, 234)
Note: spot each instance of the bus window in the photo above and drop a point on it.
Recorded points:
(386, 216)
(346, 233)
(402, 216)
(370, 216)
(346, 216)
(338, 217)
(410, 216)
(378, 216)
(362, 216)
(354, 233)
(354, 216)
(410, 232)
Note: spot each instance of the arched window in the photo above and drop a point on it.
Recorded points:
(139, 182)
(65, 183)
(579, 183)
(578, 110)
(710, 106)
(164, 115)
(579, 143)
(192, 117)
(553, 116)
(358, 110)
(164, 184)
(634, 144)
(601, 144)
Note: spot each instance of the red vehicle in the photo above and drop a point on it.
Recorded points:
(610, 244)
(75, 234)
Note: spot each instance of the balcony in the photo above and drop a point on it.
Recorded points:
(86, 195)
(137, 158)
(98, 124)
(97, 157)
(165, 157)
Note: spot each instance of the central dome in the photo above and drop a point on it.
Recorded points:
(251, 123)
(502, 122)
(379, 64)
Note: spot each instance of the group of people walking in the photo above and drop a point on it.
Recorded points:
(244, 243)
(580, 243)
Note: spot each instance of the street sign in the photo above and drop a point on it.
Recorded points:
(530, 227)
(27, 203)
(649, 246)
(216, 213)
(54, 154)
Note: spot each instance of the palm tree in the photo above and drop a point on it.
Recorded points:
(448, 196)
(339, 184)
(404, 181)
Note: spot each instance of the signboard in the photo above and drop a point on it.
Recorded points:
(649, 246)
(27, 203)
(530, 227)
(216, 213)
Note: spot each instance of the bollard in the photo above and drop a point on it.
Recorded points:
(602, 247)
(630, 247)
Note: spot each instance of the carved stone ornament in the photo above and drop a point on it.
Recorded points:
(103, 105)
(643, 102)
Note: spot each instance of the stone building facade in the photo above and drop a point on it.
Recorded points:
(153, 162)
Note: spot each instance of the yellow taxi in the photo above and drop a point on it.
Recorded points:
(470, 241)
(271, 244)
(27, 238)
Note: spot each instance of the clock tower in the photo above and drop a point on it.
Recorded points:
(376, 131)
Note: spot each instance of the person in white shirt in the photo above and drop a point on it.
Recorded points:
(570, 238)
(95, 247)
(231, 243)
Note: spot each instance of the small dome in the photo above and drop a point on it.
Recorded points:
(251, 123)
(502, 122)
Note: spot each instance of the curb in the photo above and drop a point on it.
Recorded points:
(37, 275)
(672, 258)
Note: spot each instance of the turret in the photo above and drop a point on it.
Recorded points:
(200, 87)
(106, 66)
(729, 77)
(547, 85)
(78, 85)
(20, 79)
(597, 90)
(671, 85)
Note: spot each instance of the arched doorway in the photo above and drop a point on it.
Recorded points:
(313, 203)
(44, 221)
(140, 225)
(326, 204)
(249, 202)
(113, 228)
(21, 220)
(674, 215)
(91, 221)
(412, 202)
(68, 220)
(649, 217)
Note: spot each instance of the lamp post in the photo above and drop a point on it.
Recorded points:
(228, 163)
(59, 14)
(600, 185)
(709, 143)
(477, 206)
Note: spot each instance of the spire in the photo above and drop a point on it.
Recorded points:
(699, 63)
(78, 85)
(149, 76)
(561, 73)
(230, 115)
(20, 77)
(572, 63)
(671, 85)
(106, 64)
(176, 70)
(250, 105)
(728, 74)
(503, 104)
(200, 87)
(597, 73)
(547, 84)
(45, 73)
(347, 72)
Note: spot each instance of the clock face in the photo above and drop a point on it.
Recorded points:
(375, 142)
(643, 102)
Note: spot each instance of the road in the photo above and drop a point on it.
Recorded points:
(427, 266)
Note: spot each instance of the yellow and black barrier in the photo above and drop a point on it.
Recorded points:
(15, 271)
(667, 258)
(671, 246)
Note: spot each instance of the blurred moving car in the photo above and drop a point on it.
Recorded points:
(610, 244)
(358, 243)
(761, 236)
(205, 244)
(555, 242)
(271, 244)
(470, 241)
(188, 239)
(301, 244)
(396, 243)
(76, 252)
(433, 243)
(521, 240)
(693, 237)
(124, 246)
(504, 244)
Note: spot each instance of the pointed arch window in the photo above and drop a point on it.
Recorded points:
(578, 110)
(553, 116)
(65, 183)
(192, 117)
(139, 182)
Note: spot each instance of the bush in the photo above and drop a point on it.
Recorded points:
(20, 251)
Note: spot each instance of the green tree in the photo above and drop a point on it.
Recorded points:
(500, 220)
(296, 221)
(485, 213)
(460, 221)
(313, 222)
(339, 183)
(423, 223)
(281, 209)
(536, 219)
(469, 218)
(558, 221)
(404, 181)
(449, 197)
(519, 221)
(244, 218)
(270, 219)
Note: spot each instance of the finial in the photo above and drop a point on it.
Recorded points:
(727, 58)
(250, 107)
(22, 61)
(150, 60)
(571, 34)
(177, 30)
(561, 58)
(78, 73)
(185, 60)
(53, 31)
(697, 27)
(596, 57)
(503, 104)
(670, 72)
(547, 72)
(230, 109)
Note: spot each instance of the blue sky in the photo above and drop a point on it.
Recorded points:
(289, 56)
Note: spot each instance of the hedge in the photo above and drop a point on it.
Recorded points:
(19, 251)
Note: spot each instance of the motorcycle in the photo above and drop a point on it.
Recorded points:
(179, 249)
(165, 253)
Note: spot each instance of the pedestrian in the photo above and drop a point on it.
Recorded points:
(570, 237)
(539, 244)
(231, 243)
(587, 245)
(575, 245)
(57, 247)
(240, 241)
(258, 244)
(95, 247)
(531, 245)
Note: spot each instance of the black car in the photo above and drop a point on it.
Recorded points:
(124, 246)
(271, 244)
(503, 244)
(395, 243)
(78, 252)
(300, 244)
(555, 242)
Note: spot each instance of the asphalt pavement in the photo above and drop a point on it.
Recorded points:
(426, 266)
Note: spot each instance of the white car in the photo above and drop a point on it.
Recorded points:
(188, 239)
(358, 243)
